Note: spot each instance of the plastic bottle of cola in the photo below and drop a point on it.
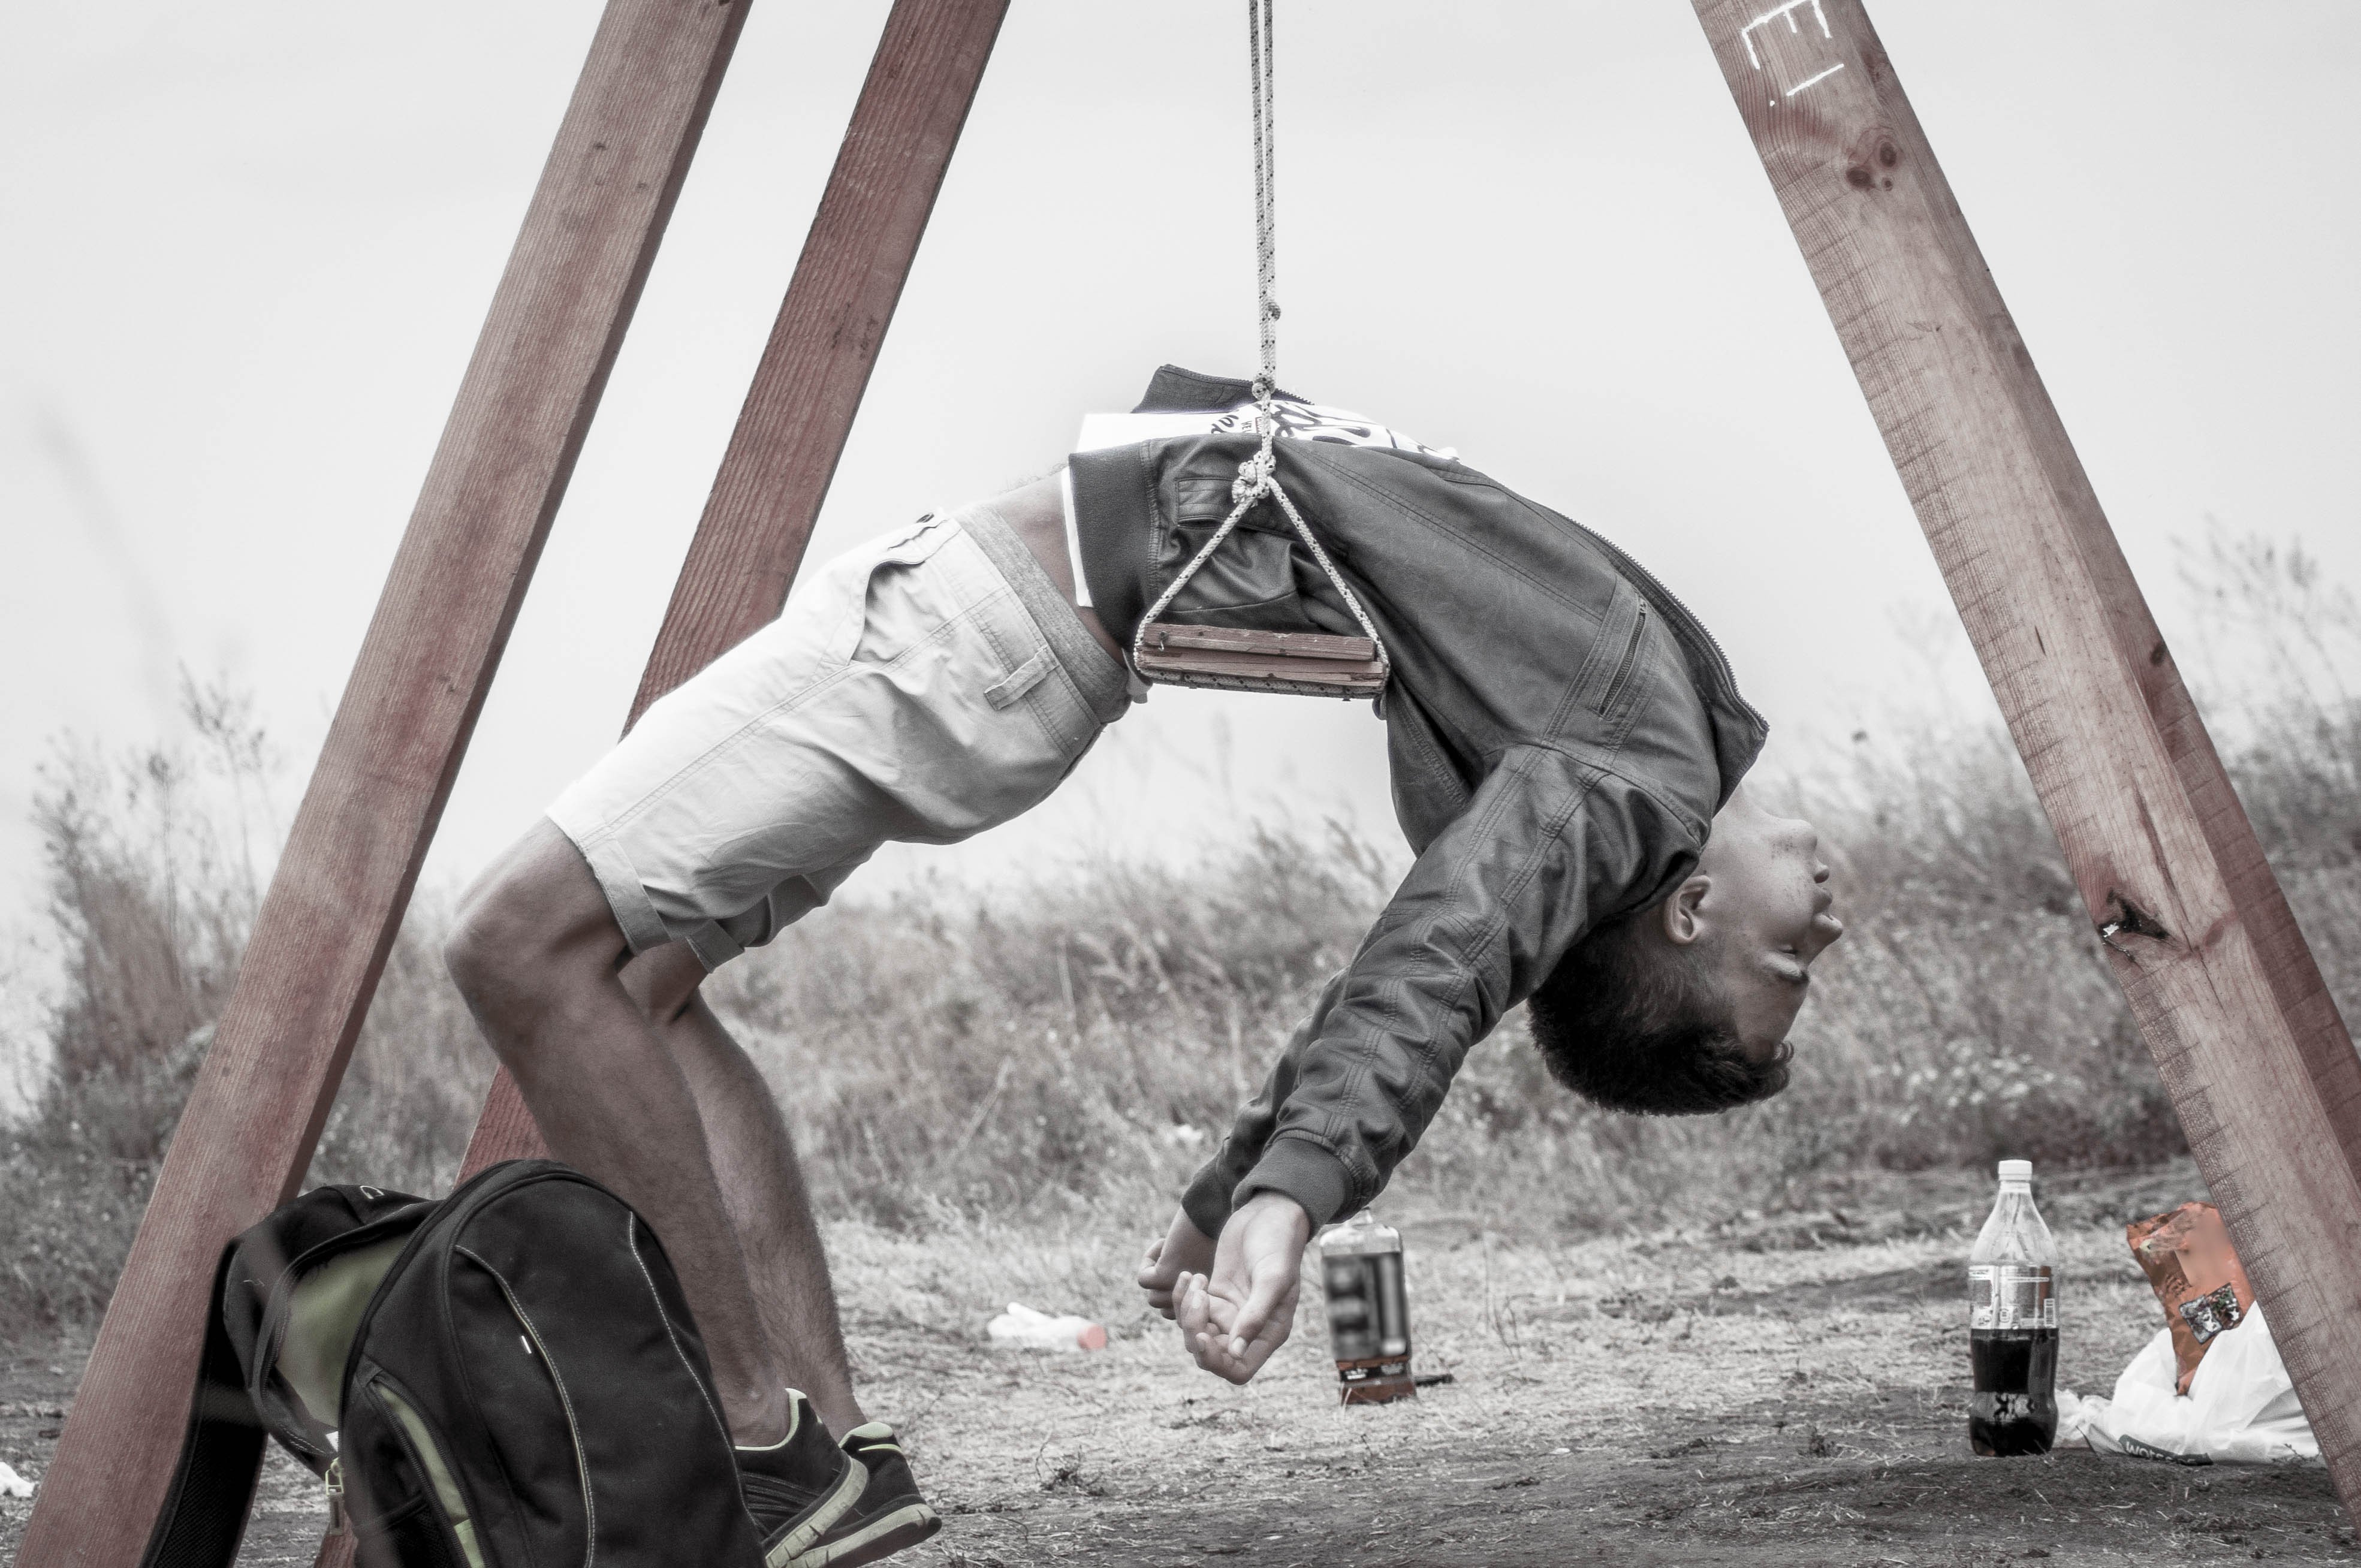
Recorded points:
(2013, 1323)
(1368, 1311)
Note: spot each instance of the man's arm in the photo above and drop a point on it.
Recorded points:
(1547, 846)
(1207, 1200)
(1187, 1248)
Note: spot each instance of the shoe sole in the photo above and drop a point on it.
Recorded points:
(789, 1550)
(880, 1538)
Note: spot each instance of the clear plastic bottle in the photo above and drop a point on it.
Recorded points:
(1368, 1310)
(2013, 1323)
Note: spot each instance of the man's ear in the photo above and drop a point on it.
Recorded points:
(1679, 914)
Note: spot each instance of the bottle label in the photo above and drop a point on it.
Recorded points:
(2011, 1296)
(1369, 1312)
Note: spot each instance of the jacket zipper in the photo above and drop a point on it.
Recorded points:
(1630, 657)
(1683, 621)
(565, 1401)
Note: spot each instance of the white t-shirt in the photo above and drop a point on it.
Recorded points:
(1297, 421)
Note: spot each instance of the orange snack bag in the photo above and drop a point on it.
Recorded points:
(2195, 1272)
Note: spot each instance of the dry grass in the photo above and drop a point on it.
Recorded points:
(1043, 1067)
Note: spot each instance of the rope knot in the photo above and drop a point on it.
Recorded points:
(1254, 476)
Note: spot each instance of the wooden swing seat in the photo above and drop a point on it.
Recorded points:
(1305, 664)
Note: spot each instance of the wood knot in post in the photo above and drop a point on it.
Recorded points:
(1870, 160)
(2127, 918)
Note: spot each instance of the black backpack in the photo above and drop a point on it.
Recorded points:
(508, 1376)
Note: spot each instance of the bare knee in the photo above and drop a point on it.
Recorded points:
(482, 951)
(533, 925)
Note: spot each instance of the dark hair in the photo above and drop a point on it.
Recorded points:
(1638, 1026)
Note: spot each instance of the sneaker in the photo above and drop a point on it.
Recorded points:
(799, 1487)
(891, 1513)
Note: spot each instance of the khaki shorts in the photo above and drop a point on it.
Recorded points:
(924, 688)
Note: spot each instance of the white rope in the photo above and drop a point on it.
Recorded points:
(1259, 474)
(1265, 157)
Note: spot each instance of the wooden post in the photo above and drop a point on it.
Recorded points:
(809, 386)
(2226, 994)
(322, 934)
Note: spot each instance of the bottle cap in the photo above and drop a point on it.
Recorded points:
(2016, 1170)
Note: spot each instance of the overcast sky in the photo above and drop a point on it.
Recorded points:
(249, 246)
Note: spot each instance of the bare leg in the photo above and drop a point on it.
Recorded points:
(634, 1080)
(538, 956)
(761, 1185)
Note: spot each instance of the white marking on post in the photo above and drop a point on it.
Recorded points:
(1745, 34)
(1823, 76)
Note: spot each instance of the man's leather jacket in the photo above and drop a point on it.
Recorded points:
(1561, 732)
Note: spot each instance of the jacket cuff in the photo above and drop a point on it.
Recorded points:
(1305, 1172)
(1207, 1201)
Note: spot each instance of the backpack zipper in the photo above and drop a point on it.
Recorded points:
(441, 1482)
(279, 1301)
(565, 1401)
(333, 1482)
(448, 1212)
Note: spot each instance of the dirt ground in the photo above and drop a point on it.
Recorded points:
(1786, 1390)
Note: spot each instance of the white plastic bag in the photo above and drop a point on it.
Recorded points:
(2241, 1407)
(1023, 1326)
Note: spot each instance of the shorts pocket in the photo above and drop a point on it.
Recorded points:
(917, 541)
(913, 546)
(1009, 691)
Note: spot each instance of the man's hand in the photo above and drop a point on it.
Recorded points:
(1231, 1319)
(1185, 1249)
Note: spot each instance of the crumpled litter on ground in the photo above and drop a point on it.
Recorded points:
(2198, 1279)
(2241, 1407)
(1023, 1328)
(13, 1485)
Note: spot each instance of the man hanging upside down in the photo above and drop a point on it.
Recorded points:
(1565, 741)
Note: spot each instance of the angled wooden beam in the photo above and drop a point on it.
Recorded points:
(377, 793)
(2249, 1043)
(810, 383)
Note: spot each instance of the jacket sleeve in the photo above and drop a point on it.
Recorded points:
(1207, 1200)
(1546, 847)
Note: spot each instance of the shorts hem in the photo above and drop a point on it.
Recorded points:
(627, 897)
(713, 946)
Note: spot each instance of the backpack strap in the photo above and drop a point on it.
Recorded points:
(221, 1457)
